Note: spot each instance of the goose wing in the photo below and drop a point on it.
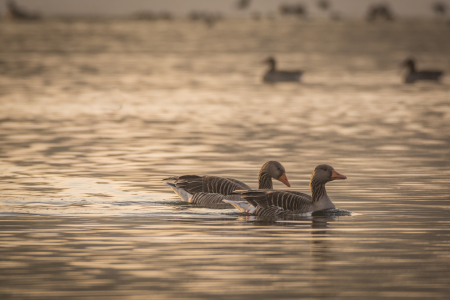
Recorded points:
(189, 183)
(430, 75)
(274, 76)
(212, 200)
(287, 200)
(207, 184)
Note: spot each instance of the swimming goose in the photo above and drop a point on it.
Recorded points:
(211, 190)
(265, 203)
(273, 75)
(413, 75)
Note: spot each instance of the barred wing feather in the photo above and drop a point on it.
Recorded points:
(194, 184)
(224, 186)
(271, 203)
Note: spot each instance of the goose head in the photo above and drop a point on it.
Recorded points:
(409, 63)
(325, 173)
(276, 170)
(271, 62)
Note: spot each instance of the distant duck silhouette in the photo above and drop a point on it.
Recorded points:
(293, 9)
(273, 75)
(17, 13)
(323, 4)
(440, 8)
(413, 75)
(243, 4)
(379, 11)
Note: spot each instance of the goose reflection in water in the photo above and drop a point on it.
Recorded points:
(316, 222)
(321, 251)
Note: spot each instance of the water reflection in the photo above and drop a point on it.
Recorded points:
(188, 256)
(321, 254)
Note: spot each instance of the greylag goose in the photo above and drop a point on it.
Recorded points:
(413, 75)
(211, 190)
(265, 203)
(273, 75)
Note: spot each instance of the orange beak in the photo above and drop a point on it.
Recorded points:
(284, 180)
(336, 175)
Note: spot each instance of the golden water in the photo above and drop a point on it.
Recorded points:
(94, 114)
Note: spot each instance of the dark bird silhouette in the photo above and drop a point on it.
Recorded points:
(243, 4)
(413, 75)
(274, 75)
(323, 4)
(440, 8)
(293, 9)
(380, 11)
(18, 13)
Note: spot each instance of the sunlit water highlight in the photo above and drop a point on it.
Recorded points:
(95, 114)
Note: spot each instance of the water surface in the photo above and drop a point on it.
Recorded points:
(95, 114)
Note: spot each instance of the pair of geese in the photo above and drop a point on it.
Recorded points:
(264, 202)
(413, 75)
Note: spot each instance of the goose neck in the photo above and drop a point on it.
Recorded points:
(272, 66)
(318, 191)
(264, 180)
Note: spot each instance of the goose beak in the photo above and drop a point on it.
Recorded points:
(284, 180)
(336, 175)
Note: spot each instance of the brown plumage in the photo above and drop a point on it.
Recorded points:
(211, 190)
(266, 203)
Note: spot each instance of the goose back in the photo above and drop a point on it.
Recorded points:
(207, 191)
(412, 77)
(194, 184)
(282, 76)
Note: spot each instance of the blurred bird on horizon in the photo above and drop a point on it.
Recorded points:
(414, 75)
(274, 75)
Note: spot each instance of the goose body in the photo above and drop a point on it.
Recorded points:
(274, 75)
(211, 190)
(413, 75)
(273, 203)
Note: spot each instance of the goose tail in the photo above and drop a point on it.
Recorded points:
(185, 196)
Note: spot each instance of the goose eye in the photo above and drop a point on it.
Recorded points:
(325, 169)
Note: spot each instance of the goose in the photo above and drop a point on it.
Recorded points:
(273, 75)
(413, 75)
(273, 203)
(211, 190)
